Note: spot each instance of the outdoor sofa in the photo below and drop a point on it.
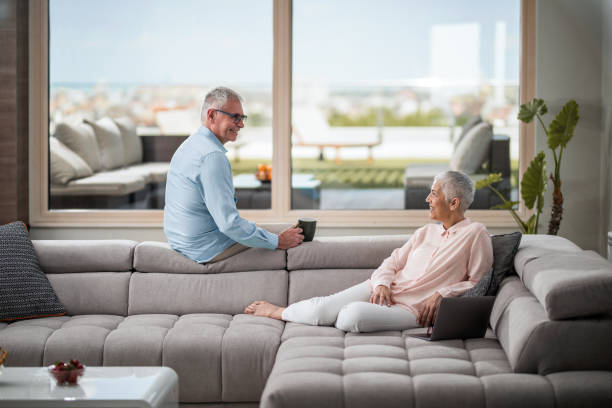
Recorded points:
(99, 164)
(142, 304)
(476, 152)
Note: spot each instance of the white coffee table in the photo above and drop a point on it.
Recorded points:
(103, 387)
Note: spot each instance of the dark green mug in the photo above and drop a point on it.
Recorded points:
(308, 226)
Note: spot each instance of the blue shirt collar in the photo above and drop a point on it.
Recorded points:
(211, 136)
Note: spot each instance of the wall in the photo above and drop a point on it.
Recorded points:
(606, 96)
(569, 65)
(13, 111)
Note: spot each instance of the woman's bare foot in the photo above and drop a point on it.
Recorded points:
(265, 309)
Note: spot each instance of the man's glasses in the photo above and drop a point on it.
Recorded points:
(236, 117)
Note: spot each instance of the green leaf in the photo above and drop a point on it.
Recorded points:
(529, 110)
(531, 227)
(490, 179)
(534, 181)
(561, 129)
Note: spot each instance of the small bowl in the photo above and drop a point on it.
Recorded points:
(66, 377)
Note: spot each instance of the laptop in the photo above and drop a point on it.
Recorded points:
(461, 318)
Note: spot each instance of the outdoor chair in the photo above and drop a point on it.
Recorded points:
(477, 153)
(311, 129)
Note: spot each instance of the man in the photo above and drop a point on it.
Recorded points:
(200, 217)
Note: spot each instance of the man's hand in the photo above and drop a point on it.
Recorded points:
(429, 309)
(381, 296)
(290, 238)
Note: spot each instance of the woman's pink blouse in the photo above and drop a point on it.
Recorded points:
(449, 262)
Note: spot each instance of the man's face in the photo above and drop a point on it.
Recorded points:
(223, 125)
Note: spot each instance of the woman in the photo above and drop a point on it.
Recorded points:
(439, 260)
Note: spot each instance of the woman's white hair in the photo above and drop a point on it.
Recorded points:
(456, 184)
(216, 98)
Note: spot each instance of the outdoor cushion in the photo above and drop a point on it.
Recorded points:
(153, 172)
(473, 121)
(109, 141)
(473, 150)
(64, 164)
(114, 182)
(132, 145)
(81, 139)
(25, 291)
(570, 285)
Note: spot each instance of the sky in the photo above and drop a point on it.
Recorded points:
(202, 41)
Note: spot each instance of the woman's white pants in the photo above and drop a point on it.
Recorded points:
(351, 311)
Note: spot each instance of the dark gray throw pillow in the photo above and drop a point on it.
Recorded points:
(504, 249)
(25, 291)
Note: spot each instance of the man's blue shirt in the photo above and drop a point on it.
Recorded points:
(200, 216)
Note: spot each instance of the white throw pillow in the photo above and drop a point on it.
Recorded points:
(132, 145)
(81, 139)
(65, 164)
(466, 128)
(109, 142)
(473, 150)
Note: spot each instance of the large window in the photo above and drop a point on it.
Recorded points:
(382, 92)
(133, 75)
(354, 106)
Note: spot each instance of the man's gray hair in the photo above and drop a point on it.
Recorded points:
(456, 184)
(216, 98)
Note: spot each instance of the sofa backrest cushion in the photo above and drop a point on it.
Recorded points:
(64, 164)
(132, 145)
(81, 139)
(66, 256)
(473, 150)
(536, 344)
(226, 293)
(473, 121)
(535, 245)
(304, 284)
(570, 285)
(90, 293)
(344, 252)
(109, 141)
(152, 256)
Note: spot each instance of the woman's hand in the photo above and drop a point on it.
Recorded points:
(429, 309)
(381, 296)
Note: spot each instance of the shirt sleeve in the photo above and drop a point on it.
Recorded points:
(385, 274)
(218, 186)
(479, 263)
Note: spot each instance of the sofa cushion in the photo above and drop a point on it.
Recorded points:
(215, 293)
(81, 295)
(25, 291)
(536, 344)
(81, 139)
(343, 252)
(153, 172)
(304, 284)
(504, 249)
(473, 121)
(534, 246)
(114, 182)
(64, 164)
(132, 145)
(109, 141)
(570, 285)
(65, 256)
(473, 150)
(151, 256)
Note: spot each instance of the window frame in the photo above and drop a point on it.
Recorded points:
(41, 216)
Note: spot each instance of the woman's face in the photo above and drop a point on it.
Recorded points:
(439, 209)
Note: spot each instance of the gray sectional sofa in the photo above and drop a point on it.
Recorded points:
(142, 304)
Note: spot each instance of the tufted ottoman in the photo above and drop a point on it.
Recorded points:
(325, 367)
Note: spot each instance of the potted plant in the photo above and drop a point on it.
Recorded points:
(533, 184)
